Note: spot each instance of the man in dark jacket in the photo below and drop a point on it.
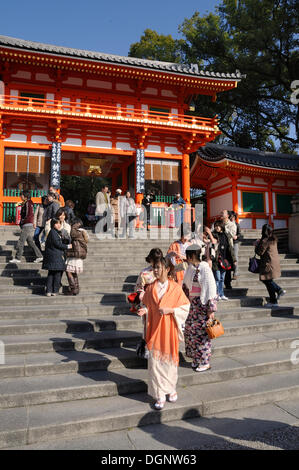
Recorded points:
(51, 208)
(27, 230)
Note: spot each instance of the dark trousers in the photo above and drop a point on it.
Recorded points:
(53, 282)
(273, 289)
(228, 279)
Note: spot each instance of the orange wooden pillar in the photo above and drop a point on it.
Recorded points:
(186, 178)
(235, 195)
(1, 175)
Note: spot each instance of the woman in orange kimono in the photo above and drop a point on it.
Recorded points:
(167, 308)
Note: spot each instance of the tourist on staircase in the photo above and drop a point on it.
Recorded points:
(230, 229)
(177, 252)
(236, 241)
(65, 230)
(167, 308)
(224, 257)
(69, 210)
(128, 214)
(115, 213)
(49, 212)
(54, 261)
(38, 221)
(58, 197)
(102, 209)
(27, 230)
(200, 287)
(269, 268)
(76, 255)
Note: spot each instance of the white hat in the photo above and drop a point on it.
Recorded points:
(119, 191)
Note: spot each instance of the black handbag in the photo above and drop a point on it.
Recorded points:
(254, 265)
(141, 349)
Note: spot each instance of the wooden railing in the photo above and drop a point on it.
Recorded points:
(113, 113)
(9, 202)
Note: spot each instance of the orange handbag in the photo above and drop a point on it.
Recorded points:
(214, 329)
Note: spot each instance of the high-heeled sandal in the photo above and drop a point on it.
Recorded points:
(173, 397)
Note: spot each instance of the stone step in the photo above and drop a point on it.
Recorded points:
(79, 341)
(98, 298)
(122, 289)
(36, 390)
(40, 423)
(230, 310)
(67, 311)
(11, 327)
(102, 299)
(267, 333)
(68, 362)
(257, 290)
(39, 279)
(87, 287)
(273, 426)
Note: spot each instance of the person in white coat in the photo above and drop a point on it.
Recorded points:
(103, 209)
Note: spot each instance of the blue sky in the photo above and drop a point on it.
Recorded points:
(99, 25)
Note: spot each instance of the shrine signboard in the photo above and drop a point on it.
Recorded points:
(55, 165)
(140, 171)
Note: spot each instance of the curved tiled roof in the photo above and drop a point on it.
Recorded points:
(191, 69)
(280, 161)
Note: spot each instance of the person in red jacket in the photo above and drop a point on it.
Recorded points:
(27, 230)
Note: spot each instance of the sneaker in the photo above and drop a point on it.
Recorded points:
(223, 297)
(38, 260)
(15, 260)
(203, 368)
(281, 293)
(270, 305)
(48, 294)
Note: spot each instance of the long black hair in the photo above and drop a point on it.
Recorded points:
(268, 232)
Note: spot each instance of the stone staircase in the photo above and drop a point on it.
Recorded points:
(70, 364)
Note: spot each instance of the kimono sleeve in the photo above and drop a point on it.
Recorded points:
(181, 313)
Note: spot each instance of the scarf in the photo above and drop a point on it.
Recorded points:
(163, 331)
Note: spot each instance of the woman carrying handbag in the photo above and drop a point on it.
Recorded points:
(269, 268)
(200, 287)
(224, 257)
(76, 255)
